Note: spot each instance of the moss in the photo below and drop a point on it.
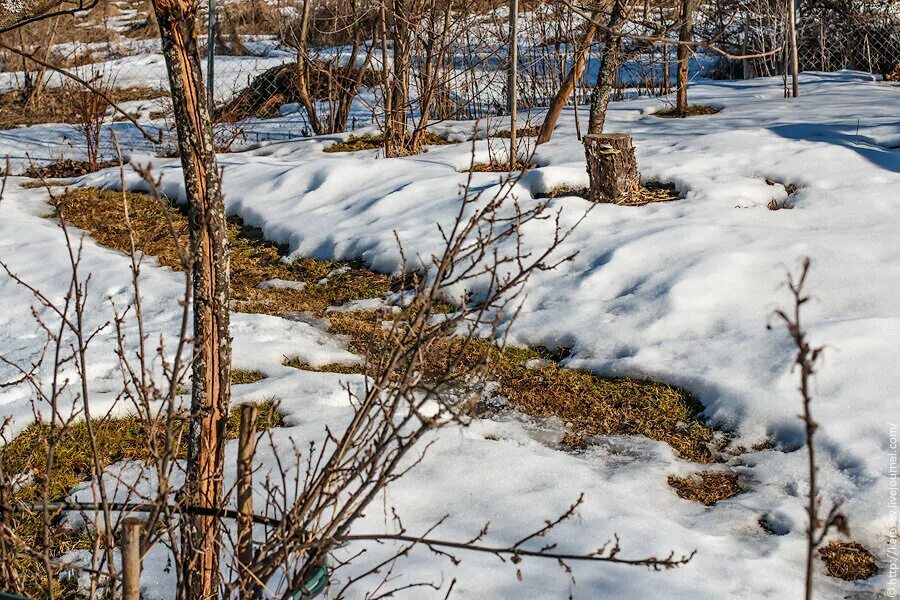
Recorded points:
(849, 561)
(706, 487)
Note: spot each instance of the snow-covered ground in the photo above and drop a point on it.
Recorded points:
(681, 292)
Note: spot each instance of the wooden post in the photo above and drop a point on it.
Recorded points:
(246, 450)
(795, 60)
(131, 558)
(513, 83)
(611, 166)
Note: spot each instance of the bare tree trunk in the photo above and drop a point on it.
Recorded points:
(608, 67)
(611, 166)
(685, 34)
(303, 66)
(212, 344)
(397, 26)
(667, 54)
(513, 81)
(568, 86)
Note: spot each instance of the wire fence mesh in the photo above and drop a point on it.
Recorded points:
(277, 76)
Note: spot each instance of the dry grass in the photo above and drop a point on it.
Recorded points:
(347, 369)
(652, 191)
(253, 259)
(521, 132)
(706, 487)
(787, 203)
(354, 143)
(591, 405)
(495, 166)
(243, 377)
(374, 141)
(534, 383)
(430, 138)
(55, 105)
(65, 168)
(849, 561)
(562, 191)
(117, 439)
(694, 110)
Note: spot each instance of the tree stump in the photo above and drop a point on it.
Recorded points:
(611, 167)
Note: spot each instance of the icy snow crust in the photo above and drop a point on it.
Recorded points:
(680, 292)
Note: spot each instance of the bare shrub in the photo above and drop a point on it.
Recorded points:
(89, 110)
(805, 360)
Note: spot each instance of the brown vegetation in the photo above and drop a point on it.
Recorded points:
(590, 404)
(56, 105)
(706, 487)
(849, 561)
(694, 110)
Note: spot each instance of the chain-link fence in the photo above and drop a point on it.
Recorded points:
(874, 48)
(282, 73)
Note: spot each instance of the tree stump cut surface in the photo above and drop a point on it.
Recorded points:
(611, 167)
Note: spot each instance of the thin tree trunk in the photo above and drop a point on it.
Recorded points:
(608, 67)
(212, 344)
(396, 131)
(513, 81)
(568, 86)
(303, 66)
(685, 34)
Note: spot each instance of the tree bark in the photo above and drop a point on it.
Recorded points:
(795, 60)
(396, 130)
(303, 66)
(212, 344)
(512, 83)
(568, 86)
(685, 34)
(611, 166)
(608, 66)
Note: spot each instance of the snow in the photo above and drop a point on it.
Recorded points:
(681, 292)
